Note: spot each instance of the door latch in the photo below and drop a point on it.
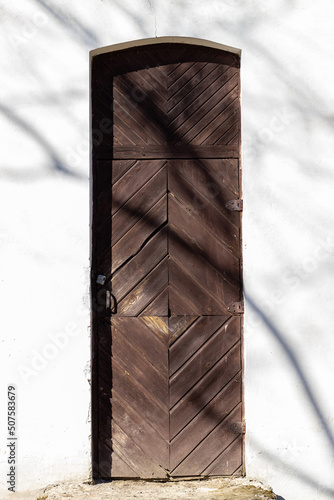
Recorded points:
(101, 279)
(105, 298)
(110, 302)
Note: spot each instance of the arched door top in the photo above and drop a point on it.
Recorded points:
(165, 39)
(166, 95)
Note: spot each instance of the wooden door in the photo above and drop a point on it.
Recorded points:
(166, 280)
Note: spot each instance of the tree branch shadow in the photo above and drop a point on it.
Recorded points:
(293, 359)
(56, 162)
(72, 25)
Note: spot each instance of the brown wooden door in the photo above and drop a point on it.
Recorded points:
(167, 381)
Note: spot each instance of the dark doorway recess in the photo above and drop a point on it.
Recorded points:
(166, 262)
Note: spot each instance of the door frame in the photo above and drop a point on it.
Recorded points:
(96, 300)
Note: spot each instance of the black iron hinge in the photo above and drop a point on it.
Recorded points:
(236, 308)
(237, 428)
(234, 205)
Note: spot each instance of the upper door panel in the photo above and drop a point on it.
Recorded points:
(169, 94)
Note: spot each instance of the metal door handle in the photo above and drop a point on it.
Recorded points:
(110, 302)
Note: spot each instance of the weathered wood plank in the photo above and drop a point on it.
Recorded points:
(200, 122)
(192, 89)
(144, 87)
(159, 327)
(130, 131)
(225, 227)
(144, 199)
(194, 293)
(197, 461)
(178, 325)
(191, 241)
(217, 289)
(137, 397)
(226, 108)
(221, 174)
(141, 369)
(202, 360)
(185, 112)
(133, 455)
(134, 118)
(232, 135)
(181, 74)
(149, 342)
(229, 462)
(205, 421)
(132, 181)
(218, 136)
(118, 467)
(143, 294)
(140, 265)
(128, 246)
(178, 304)
(193, 339)
(141, 432)
(119, 167)
(205, 390)
(204, 185)
(158, 306)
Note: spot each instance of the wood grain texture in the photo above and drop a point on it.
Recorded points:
(192, 339)
(204, 423)
(203, 359)
(219, 439)
(139, 235)
(144, 199)
(205, 389)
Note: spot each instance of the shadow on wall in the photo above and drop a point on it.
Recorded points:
(56, 162)
(71, 24)
(314, 405)
(43, 13)
(304, 100)
(300, 98)
(29, 26)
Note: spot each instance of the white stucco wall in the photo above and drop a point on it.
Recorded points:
(287, 119)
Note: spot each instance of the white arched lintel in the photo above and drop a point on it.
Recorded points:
(164, 39)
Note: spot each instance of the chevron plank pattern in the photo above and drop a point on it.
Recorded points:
(205, 398)
(194, 103)
(175, 348)
(190, 99)
(154, 434)
(202, 104)
(139, 239)
(140, 415)
(169, 372)
(175, 247)
(139, 107)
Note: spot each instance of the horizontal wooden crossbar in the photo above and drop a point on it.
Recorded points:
(166, 152)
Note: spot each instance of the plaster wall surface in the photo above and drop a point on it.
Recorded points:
(288, 177)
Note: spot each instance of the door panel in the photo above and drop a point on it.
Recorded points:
(174, 381)
(140, 415)
(165, 236)
(167, 251)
